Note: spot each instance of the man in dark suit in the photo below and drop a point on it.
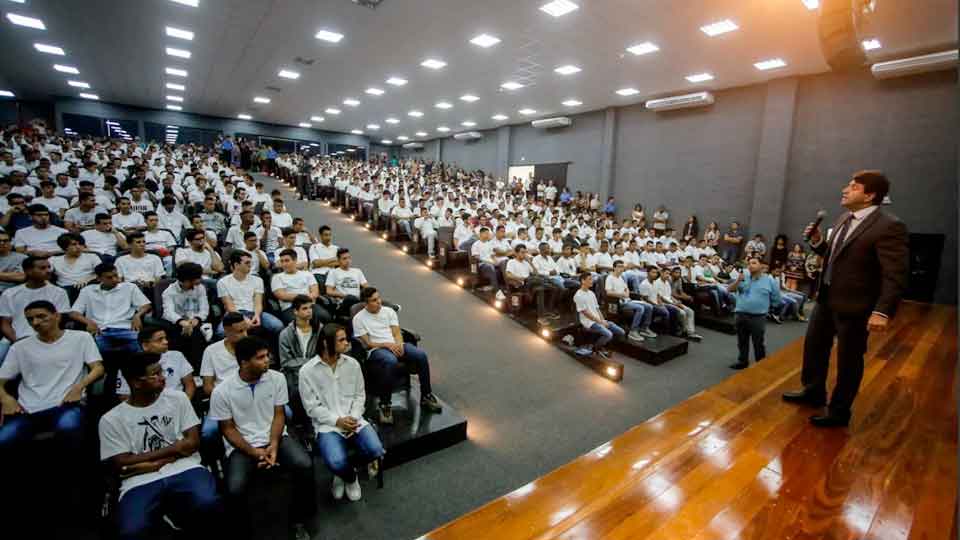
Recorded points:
(862, 280)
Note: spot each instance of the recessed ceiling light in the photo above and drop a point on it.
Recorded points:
(66, 69)
(179, 53)
(78, 84)
(699, 77)
(373, 91)
(559, 8)
(175, 86)
(332, 111)
(397, 81)
(469, 98)
(572, 103)
(527, 112)
(176, 72)
(49, 49)
(29, 22)
(628, 91)
(386, 141)
(511, 85)
(356, 132)
(316, 119)
(191, 3)
(6, 93)
(871, 44)
(415, 114)
(443, 129)
(392, 120)
(261, 99)
(329, 36)
(373, 127)
(444, 105)
(811, 4)
(288, 74)
(422, 134)
(85, 95)
(178, 99)
(350, 102)
(642, 48)
(773, 63)
(179, 33)
(719, 27)
(485, 40)
(433, 63)
(499, 117)
(402, 138)
(568, 70)
(244, 117)
(304, 125)
(468, 123)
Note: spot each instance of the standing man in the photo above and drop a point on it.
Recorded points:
(756, 292)
(861, 283)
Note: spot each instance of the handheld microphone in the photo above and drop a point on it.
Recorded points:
(816, 224)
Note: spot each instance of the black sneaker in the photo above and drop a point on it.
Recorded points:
(430, 403)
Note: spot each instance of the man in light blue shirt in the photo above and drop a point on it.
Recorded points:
(755, 292)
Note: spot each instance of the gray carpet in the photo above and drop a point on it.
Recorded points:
(530, 407)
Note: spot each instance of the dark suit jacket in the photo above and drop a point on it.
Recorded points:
(870, 270)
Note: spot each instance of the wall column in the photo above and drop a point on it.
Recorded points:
(773, 155)
(503, 153)
(608, 153)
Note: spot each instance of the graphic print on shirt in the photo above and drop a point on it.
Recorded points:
(153, 438)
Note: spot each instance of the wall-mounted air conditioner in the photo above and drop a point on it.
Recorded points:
(912, 66)
(686, 101)
(413, 145)
(468, 136)
(547, 123)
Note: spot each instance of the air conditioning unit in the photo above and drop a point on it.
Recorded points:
(547, 123)
(912, 66)
(686, 101)
(468, 136)
(413, 145)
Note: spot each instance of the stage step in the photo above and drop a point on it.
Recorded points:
(416, 433)
(725, 324)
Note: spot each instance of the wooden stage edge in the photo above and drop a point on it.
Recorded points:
(734, 461)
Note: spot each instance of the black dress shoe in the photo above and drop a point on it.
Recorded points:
(739, 365)
(804, 398)
(830, 420)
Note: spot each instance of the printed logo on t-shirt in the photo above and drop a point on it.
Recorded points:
(153, 438)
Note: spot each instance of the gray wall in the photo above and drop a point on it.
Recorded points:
(472, 155)
(579, 144)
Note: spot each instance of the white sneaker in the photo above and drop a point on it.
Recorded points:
(501, 296)
(207, 330)
(635, 335)
(338, 488)
(649, 333)
(353, 490)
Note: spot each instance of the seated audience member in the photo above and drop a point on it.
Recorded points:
(615, 287)
(112, 311)
(55, 368)
(126, 220)
(11, 263)
(139, 267)
(323, 255)
(151, 440)
(55, 205)
(74, 269)
(176, 370)
(344, 283)
(103, 238)
(213, 220)
(242, 292)
(83, 216)
(706, 276)
(332, 389)
(15, 216)
(304, 238)
(483, 252)
(791, 301)
(379, 330)
(286, 285)
(521, 274)
(36, 286)
(290, 242)
(651, 292)
(298, 344)
(591, 318)
(258, 259)
(186, 308)
(549, 268)
(281, 218)
(39, 239)
(270, 235)
(427, 227)
(169, 217)
(196, 223)
(200, 253)
(219, 362)
(235, 233)
(683, 314)
(756, 247)
(249, 407)
(402, 216)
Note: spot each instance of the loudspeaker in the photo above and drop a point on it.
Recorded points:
(837, 27)
(925, 254)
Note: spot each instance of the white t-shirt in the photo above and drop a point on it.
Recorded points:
(175, 368)
(297, 283)
(146, 268)
(110, 309)
(376, 325)
(648, 291)
(14, 299)
(218, 362)
(519, 269)
(241, 292)
(129, 221)
(617, 285)
(251, 406)
(69, 273)
(545, 265)
(483, 251)
(301, 254)
(42, 239)
(126, 429)
(48, 370)
(322, 252)
(54, 204)
(567, 265)
(203, 258)
(101, 242)
(346, 281)
(586, 301)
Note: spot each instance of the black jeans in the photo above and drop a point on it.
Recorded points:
(290, 455)
(546, 293)
(751, 328)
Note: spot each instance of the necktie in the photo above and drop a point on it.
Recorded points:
(837, 244)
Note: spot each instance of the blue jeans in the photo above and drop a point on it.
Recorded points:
(489, 272)
(633, 279)
(642, 314)
(383, 366)
(190, 496)
(268, 322)
(333, 447)
(66, 421)
(606, 334)
(405, 225)
(117, 340)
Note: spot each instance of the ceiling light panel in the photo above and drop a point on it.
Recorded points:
(772, 63)
(316, 119)
(191, 3)
(499, 117)
(6, 93)
(85, 95)
(332, 111)
(572, 103)
(66, 69)
(511, 85)
(304, 125)
(78, 84)
(261, 99)
(469, 98)
(527, 112)
(350, 102)
(403, 138)
(356, 132)
(176, 72)
(174, 107)
(871, 44)
(627, 92)
(49, 49)
(719, 27)
(699, 77)
(179, 53)
(433, 63)
(485, 40)
(396, 81)
(373, 91)
(386, 141)
(392, 120)
(643, 48)
(177, 87)
(288, 74)
(444, 105)
(373, 127)
(328, 36)
(443, 129)
(418, 134)
(559, 8)
(29, 22)
(178, 99)
(811, 4)
(415, 114)
(244, 117)
(179, 33)
(568, 70)
(468, 123)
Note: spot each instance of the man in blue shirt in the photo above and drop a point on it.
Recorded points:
(755, 292)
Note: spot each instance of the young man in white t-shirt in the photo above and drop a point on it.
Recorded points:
(617, 290)
(13, 321)
(591, 317)
(242, 292)
(482, 251)
(139, 267)
(427, 227)
(219, 362)
(249, 407)
(151, 439)
(520, 273)
(176, 370)
(323, 255)
(379, 330)
(345, 283)
(39, 239)
(288, 284)
(290, 242)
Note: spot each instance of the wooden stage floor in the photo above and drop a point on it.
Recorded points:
(734, 461)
